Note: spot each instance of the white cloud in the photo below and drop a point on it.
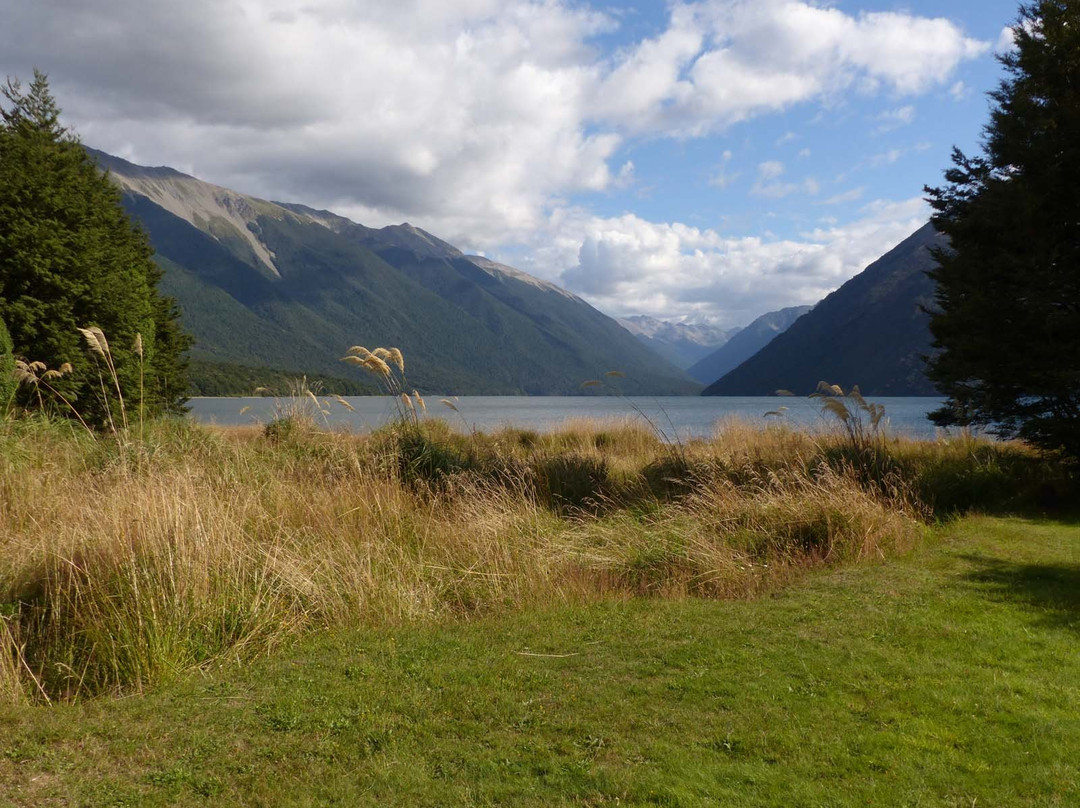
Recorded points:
(628, 265)
(721, 176)
(625, 178)
(723, 61)
(471, 118)
(892, 156)
(770, 170)
(958, 91)
(887, 158)
(852, 195)
(477, 119)
(769, 185)
(1006, 41)
(896, 118)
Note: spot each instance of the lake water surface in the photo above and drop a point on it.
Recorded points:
(689, 416)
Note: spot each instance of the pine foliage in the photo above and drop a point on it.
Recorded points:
(1008, 290)
(70, 258)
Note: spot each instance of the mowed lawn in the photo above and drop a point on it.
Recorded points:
(948, 677)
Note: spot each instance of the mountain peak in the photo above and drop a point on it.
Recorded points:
(420, 242)
(682, 344)
(285, 286)
(224, 214)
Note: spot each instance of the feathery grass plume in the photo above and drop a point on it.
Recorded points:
(37, 375)
(419, 401)
(837, 408)
(28, 373)
(592, 383)
(359, 350)
(615, 374)
(23, 372)
(344, 403)
(408, 402)
(315, 400)
(448, 403)
(355, 360)
(375, 364)
(95, 340)
(826, 389)
(138, 348)
(381, 353)
(399, 360)
(245, 409)
(783, 392)
(861, 424)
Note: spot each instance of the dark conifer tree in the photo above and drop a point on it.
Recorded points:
(70, 257)
(1008, 291)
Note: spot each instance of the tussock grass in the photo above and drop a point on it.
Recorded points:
(123, 564)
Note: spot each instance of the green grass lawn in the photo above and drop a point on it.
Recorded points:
(949, 677)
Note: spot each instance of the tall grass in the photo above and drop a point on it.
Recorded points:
(216, 545)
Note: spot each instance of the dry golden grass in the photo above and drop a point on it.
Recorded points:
(122, 565)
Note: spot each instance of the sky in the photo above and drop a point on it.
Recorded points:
(697, 161)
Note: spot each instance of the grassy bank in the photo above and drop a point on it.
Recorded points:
(946, 677)
(124, 564)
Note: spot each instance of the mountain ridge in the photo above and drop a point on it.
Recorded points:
(290, 287)
(873, 332)
(744, 344)
(680, 343)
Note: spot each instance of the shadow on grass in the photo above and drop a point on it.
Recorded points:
(1053, 590)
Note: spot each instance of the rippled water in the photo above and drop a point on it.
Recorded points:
(688, 416)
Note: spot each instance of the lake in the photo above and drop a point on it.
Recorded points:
(689, 416)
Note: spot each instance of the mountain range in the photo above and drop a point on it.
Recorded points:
(278, 288)
(682, 344)
(873, 331)
(745, 343)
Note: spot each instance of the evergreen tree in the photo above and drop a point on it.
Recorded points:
(70, 257)
(1008, 291)
(7, 370)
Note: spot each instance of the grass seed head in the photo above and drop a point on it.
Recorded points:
(95, 340)
(376, 364)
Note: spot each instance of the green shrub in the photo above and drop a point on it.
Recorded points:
(672, 476)
(281, 429)
(572, 481)
(421, 457)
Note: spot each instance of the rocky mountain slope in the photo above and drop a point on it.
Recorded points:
(264, 284)
(872, 332)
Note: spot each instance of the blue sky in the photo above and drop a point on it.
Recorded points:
(702, 161)
(858, 148)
